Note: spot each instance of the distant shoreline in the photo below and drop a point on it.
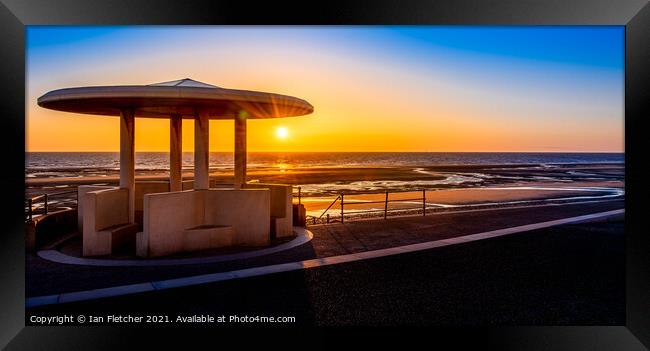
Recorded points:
(359, 152)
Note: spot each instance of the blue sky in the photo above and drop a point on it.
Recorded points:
(599, 46)
(530, 88)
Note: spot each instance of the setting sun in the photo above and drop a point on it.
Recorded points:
(282, 133)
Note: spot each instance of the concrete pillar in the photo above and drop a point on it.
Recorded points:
(127, 157)
(175, 153)
(240, 151)
(201, 155)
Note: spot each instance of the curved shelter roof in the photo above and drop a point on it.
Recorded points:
(182, 97)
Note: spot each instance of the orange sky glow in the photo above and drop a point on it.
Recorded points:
(364, 100)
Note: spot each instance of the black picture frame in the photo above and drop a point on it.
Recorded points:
(633, 14)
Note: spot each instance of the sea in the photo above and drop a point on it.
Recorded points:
(479, 170)
(79, 164)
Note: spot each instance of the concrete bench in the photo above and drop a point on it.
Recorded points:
(120, 234)
(207, 237)
(107, 239)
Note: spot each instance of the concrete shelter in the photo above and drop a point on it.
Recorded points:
(175, 219)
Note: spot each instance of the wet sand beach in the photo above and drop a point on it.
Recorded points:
(449, 198)
(446, 186)
(438, 176)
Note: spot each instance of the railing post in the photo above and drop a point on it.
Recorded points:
(45, 203)
(29, 211)
(299, 196)
(341, 207)
(313, 219)
(386, 206)
(424, 202)
(328, 218)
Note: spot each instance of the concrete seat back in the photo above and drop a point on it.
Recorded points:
(167, 216)
(103, 209)
(281, 196)
(281, 207)
(81, 192)
(111, 207)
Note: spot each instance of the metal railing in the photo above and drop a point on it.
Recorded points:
(42, 204)
(325, 217)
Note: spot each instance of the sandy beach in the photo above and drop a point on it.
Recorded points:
(365, 187)
(278, 176)
(492, 174)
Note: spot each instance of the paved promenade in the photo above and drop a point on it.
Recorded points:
(46, 277)
(359, 236)
(566, 275)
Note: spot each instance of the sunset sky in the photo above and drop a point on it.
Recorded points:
(413, 88)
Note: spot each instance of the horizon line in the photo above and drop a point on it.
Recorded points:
(352, 151)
